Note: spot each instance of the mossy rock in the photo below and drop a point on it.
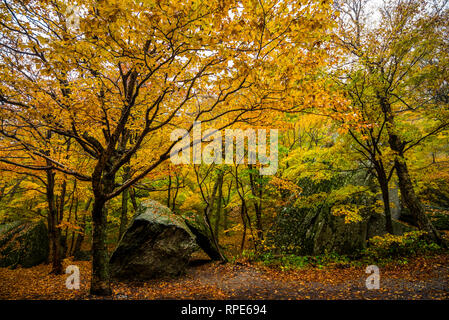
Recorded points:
(156, 244)
(315, 231)
(376, 226)
(204, 241)
(23, 244)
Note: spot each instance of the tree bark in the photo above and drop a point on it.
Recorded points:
(175, 196)
(219, 204)
(226, 202)
(207, 210)
(103, 183)
(72, 240)
(100, 282)
(413, 204)
(242, 214)
(54, 231)
(80, 238)
(383, 183)
(169, 191)
(257, 191)
(132, 194)
(405, 182)
(124, 213)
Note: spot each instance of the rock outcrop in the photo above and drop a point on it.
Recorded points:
(317, 231)
(156, 244)
(23, 244)
(204, 241)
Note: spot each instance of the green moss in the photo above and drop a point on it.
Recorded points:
(24, 244)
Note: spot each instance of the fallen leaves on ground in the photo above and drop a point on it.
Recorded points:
(421, 278)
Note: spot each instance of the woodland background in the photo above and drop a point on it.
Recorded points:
(359, 93)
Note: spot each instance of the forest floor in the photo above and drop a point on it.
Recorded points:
(420, 278)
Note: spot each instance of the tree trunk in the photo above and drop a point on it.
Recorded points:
(100, 282)
(383, 183)
(54, 231)
(80, 238)
(259, 221)
(257, 192)
(405, 183)
(72, 239)
(66, 247)
(132, 194)
(169, 191)
(207, 210)
(413, 204)
(225, 212)
(242, 214)
(124, 213)
(219, 204)
(175, 196)
(50, 240)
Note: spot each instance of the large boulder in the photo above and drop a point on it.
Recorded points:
(317, 231)
(156, 244)
(376, 226)
(23, 244)
(203, 237)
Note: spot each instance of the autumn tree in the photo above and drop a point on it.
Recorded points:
(396, 73)
(17, 159)
(141, 69)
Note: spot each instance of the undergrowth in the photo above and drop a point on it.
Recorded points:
(380, 250)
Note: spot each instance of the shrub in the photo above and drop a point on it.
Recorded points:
(393, 246)
(292, 261)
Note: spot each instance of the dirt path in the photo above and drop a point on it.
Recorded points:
(422, 278)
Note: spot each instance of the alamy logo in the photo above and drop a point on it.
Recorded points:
(73, 280)
(213, 151)
(373, 281)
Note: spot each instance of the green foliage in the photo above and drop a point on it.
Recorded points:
(440, 219)
(292, 261)
(342, 195)
(393, 246)
(382, 250)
